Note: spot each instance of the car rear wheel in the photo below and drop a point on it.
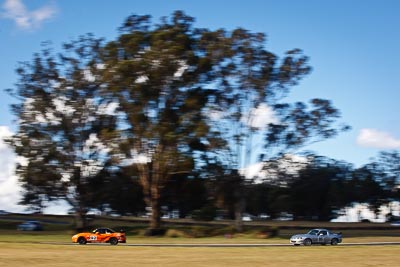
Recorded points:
(307, 242)
(113, 241)
(82, 240)
(334, 242)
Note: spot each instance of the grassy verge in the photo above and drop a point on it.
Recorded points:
(35, 255)
(45, 248)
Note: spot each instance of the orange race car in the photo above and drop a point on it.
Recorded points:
(100, 235)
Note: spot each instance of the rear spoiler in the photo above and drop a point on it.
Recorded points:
(339, 233)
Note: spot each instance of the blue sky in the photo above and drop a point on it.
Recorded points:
(353, 47)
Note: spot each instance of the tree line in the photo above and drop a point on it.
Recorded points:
(168, 114)
(320, 189)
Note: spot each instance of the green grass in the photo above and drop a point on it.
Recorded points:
(53, 246)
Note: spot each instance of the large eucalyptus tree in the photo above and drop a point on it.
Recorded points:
(162, 76)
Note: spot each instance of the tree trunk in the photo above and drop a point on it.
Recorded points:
(239, 207)
(150, 181)
(155, 220)
(80, 220)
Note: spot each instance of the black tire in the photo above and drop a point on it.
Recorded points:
(334, 242)
(82, 240)
(307, 242)
(113, 241)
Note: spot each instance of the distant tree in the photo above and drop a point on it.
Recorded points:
(390, 170)
(116, 190)
(123, 192)
(318, 190)
(61, 121)
(226, 189)
(220, 187)
(375, 184)
(388, 165)
(185, 194)
(258, 199)
(370, 187)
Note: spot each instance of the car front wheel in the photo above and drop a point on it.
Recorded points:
(82, 240)
(307, 242)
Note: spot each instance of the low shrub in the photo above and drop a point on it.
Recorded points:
(268, 232)
(199, 231)
(155, 232)
(174, 233)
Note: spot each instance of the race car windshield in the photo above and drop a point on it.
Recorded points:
(313, 232)
(103, 231)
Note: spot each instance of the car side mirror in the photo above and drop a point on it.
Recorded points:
(321, 234)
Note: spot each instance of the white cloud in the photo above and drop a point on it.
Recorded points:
(27, 19)
(253, 171)
(377, 139)
(260, 117)
(10, 190)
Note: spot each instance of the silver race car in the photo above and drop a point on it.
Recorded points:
(317, 236)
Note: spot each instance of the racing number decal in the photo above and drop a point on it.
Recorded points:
(93, 237)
